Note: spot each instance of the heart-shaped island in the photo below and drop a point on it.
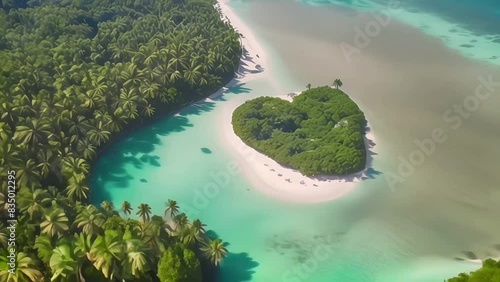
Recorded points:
(320, 132)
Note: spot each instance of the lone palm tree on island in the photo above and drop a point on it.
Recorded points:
(337, 83)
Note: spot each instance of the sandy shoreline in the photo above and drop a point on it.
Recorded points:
(265, 174)
(288, 184)
(253, 59)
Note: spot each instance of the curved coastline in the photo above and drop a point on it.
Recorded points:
(284, 183)
(252, 58)
(265, 174)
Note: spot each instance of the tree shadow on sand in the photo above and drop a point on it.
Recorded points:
(239, 89)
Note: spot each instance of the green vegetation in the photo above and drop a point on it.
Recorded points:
(320, 132)
(73, 75)
(490, 272)
(168, 270)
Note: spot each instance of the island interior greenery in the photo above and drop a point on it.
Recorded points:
(73, 75)
(489, 272)
(320, 132)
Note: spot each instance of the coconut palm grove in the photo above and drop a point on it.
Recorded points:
(73, 76)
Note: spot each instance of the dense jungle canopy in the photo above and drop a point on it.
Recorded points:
(73, 75)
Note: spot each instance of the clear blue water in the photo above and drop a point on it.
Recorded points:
(367, 235)
(469, 26)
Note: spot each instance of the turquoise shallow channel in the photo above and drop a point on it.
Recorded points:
(421, 231)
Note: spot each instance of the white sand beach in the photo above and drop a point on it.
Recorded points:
(285, 183)
(253, 59)
(265, 174)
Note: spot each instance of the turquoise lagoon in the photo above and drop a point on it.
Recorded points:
(361, 237)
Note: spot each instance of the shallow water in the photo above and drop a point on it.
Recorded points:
(405, 80)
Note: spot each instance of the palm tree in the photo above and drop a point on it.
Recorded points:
(144, 211)
(33, 202)
(171, 208)
(108, 207)
(4, 234)
(150, 89)
(192, 73)
(72, 165)
(106, 252)
(33, 131)
(28, 174)
(58, 199)
(55, 223)
(178, 54)
(90, 220)
(77, 189)
(156, 235)
(136, 262)
(10, 155)
(78, 126)
(126, 208)
(85, 148)
(129, 99)
(117, 120)
(25, 269)
(181, 221)
(337, 83)
(199, 226)
(132, 76)
(66, 262)
(189, 236)
(193, 234)
(7, 109)
(44, 247)
(99, 134)
(45, 160)
(308, 86)
(142, 230)
(148, 111)
(215, 251)
(83, 244)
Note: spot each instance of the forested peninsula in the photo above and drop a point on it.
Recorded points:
(73, 75)
(320, 132)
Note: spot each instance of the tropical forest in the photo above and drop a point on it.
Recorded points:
(74, 75)
(320, 132)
